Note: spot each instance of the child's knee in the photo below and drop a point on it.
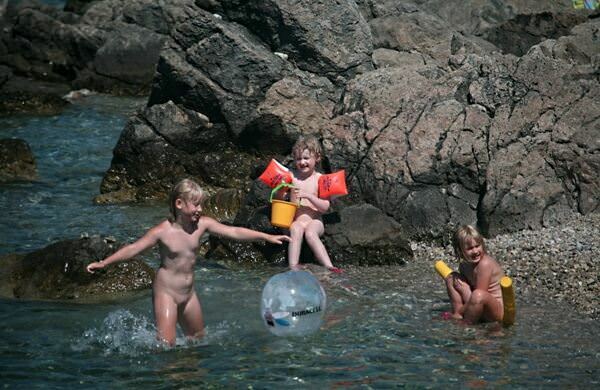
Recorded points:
(296, 230)
(311, 236)
(478, 296)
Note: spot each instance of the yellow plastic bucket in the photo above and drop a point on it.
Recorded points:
(282, 212)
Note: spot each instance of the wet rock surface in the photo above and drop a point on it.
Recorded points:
(57, 272)
(16, 160)
(109, 46)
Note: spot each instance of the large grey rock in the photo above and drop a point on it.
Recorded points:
(335, 43)
(113, 47)
(364, 235)
(57, 272)
(164, 143)
(216, 68)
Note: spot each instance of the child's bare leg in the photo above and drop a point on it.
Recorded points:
(312, 233)
(190, 318)
(457, 294)
(165, 315)
(482, 306)
(462, 287)
(295, 245)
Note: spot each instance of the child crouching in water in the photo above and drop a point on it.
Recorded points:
(174, 296)
(308, 221)
(474, 291)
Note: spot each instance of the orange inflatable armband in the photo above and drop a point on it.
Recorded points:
(333, 184)
(275, 174)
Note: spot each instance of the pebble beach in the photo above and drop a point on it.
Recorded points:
(560, 263)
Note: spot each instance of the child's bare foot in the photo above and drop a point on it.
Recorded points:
(456, 316)
(335, 270)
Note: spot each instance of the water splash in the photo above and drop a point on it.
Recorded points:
(126, 333)
(121, 332)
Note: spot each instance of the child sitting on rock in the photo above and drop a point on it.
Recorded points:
(307, 224)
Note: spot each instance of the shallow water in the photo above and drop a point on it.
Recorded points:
(382, 327)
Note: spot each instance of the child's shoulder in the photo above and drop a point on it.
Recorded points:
(205, 220)
(489, 258)
(166, 223)
(161, 227)
(489, 262)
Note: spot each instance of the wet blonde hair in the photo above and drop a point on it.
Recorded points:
(464, 233)
(310, 143)
(187, 190)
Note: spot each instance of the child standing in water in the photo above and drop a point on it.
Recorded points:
(474, 291)
(308, 223)
(174, 296)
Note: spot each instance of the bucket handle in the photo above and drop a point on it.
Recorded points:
(277, 188)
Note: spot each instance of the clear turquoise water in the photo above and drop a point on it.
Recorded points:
(382, 327)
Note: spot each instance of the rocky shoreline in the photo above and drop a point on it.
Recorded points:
(560, 263)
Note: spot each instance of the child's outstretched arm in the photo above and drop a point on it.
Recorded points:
(128, 251)
(240, 233)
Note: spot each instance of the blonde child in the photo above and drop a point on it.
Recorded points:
(474, 290)
(174, 297)
(308, 224)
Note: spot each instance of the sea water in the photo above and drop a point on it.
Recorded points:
(382, 327)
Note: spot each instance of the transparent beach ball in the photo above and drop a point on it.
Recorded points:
(293, 304)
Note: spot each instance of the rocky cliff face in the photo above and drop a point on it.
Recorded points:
(441, 112)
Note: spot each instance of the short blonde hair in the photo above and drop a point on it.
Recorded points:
(464, 233)
(309, 143)
(187, 190)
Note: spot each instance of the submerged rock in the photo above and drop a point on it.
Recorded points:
(19, 95)
(57, 272)
(16, 160)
